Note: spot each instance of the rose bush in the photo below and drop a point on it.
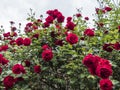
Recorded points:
(51, 56)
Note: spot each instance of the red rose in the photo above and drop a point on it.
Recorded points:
(78, 15)
(0, 70)
(12, 42)
(35, 36)
(89, 32)
(72, 38)
(60, 18)
(46, 24)
(6, 34)
(104, 71)
(49, 19)
(108, 8)
(59, 42)
(106, 84)
(45, 47)
(3, 60)
(4, 47)
(86, 18)
(47, 55)
(91, 61)
(8, 81)
(18, 68)
(19, 41)
(27, 63)
(117, 46)
(69, 19)
(70, 25)
(37, 69)
(108, 47)
(27, 41)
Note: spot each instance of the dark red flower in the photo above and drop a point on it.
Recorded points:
(86, 18)
(45, 47)
(27, 63)
(72, 38)
(4, 47)
(91, 61)
(0, 70)
(27, 41)
(89, 32)
(117, 46)
(70, 25)
(104, 71)
(46, 24)
(9, 81)
(37, 69)
(108, 47)
(19, 41)
(59, 42)
(6, 34)
(108, 8)
(60, 18)
(47, 55)
(3, 61)
(12, 42)
(106, 84)
(36, 36)
(49, 19)
(69, 19)
(78, 15)
(18, 68)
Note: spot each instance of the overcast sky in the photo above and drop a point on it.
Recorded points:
(16, 10)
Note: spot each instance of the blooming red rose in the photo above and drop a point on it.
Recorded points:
(6, 34)
(37, 69)
(46, 24)
(60, 18)
(19, 41)
(91, 61)
(27, 41)
(117, 46)
(3, 60)
(49, 19)
(104, 71)
(59, 42)
(47, 55)
(18, 68)
(12, 42)
(8, 81)
(72, 38)
(4, 47)
(35, 36)
(108, 47)
(0, 70)
(69, 19)
(45, 47)
(106, 84)
(89, 32)
(70, 25)
(78, 15)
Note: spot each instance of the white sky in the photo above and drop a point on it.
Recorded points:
(16, 10)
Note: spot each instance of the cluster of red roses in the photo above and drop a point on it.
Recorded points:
(104, 10)
(109, 47)
(101, 68)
